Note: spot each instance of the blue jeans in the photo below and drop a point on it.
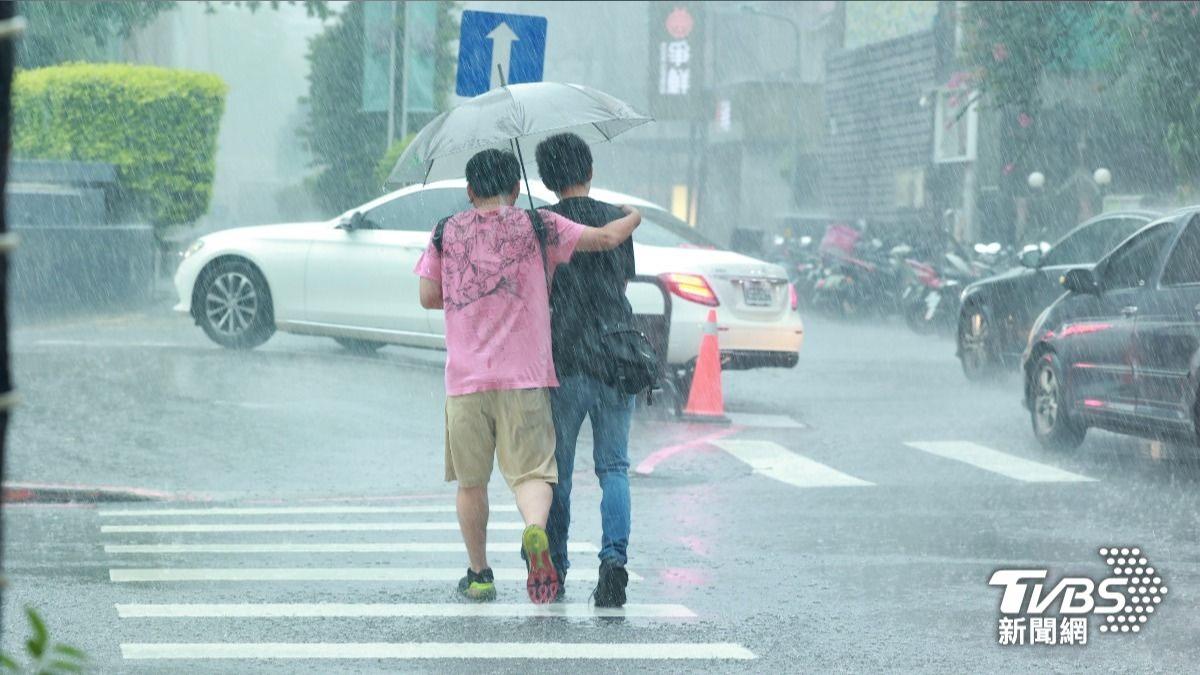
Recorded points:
(580, 396)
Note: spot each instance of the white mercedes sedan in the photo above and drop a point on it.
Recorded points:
(351, 279)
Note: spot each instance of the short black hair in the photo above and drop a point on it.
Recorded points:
(493, 172)
(564, 160)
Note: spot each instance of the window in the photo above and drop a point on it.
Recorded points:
(1133, 264)
(1183, 267)
(418, 211)
(1089, 244)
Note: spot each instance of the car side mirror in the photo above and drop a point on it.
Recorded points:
(352, 222)
(1082, 281)
(1031, 258)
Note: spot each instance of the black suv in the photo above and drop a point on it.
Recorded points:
(997, 312)
(1121, 350)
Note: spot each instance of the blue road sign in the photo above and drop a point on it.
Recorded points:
(516, 43)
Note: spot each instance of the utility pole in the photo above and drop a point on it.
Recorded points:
(404, 77)
(391, 118)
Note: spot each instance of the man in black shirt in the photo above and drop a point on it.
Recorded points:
(587, 291)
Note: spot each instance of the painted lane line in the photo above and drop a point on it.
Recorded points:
(999, 462)
(390, 547)
(295, 527)
(150, 574)
(331, 609)
(764, 421)
(647, 466)
(650, 651)
(775, 461)
(289, 510)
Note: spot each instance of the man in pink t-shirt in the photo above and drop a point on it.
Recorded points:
(489, 268)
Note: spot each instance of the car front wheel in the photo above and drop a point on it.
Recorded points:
(1049, 410)
(235, 308)
(976, 346)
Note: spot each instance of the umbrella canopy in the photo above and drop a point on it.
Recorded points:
(501, 117)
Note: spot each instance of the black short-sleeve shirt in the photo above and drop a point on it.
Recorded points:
(590, 287)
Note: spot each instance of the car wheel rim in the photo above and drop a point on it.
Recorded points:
(231, 304)
(1046, 400)
(974, 341)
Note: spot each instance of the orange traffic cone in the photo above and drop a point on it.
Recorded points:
(705, 401)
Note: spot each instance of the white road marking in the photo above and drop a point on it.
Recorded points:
(290, 510)
(295, 527)
(333, 609)
(775, 461)
(999, 462)
(381, 573)
(763, 421)
(389, 547)
(439, 650)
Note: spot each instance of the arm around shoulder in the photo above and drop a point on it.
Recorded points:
(611, 235)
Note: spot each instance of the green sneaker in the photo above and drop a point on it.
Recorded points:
(542, 583)
(479, 587)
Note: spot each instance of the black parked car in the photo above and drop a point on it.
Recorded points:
(997, 312)
(1121, 349)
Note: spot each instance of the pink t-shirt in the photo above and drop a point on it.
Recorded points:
(495, 295)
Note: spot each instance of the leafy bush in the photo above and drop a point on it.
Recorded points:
(46, 657)
(157, 126)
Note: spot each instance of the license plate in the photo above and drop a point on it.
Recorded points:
(758, 294)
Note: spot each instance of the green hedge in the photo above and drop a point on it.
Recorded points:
(158, 126)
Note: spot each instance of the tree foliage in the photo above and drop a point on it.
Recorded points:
(157, 126)
(1168, 36)
(347, 143)
(60, 32)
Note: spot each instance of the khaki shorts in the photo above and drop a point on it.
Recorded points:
(513, 424)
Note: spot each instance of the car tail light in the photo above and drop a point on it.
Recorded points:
(691, 287)
(793, 298)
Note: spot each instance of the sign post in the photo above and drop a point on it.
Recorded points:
(490, 43)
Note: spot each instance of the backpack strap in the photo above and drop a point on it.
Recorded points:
(438, 232)
(539, 231)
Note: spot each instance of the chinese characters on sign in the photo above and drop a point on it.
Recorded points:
(677, 44)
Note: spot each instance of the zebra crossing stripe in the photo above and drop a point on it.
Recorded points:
(387, 547)
(999, 462)
(332, 609)
(295, 527)
(381, 573)
(775, 461)
(626, 651)
(290, 510)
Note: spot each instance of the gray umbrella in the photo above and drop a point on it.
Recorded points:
(502, 117)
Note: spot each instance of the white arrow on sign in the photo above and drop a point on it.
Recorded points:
(502, 38)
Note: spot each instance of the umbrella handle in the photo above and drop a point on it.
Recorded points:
(517, 145)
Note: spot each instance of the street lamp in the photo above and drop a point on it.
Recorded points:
(1102, 176)
(1036, 180)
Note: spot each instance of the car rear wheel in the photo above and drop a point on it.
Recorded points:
(359, 346)
(976, 346)
(1049, 410)
(235, 307)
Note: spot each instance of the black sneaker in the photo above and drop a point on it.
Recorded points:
(480, 586)
(610, 589)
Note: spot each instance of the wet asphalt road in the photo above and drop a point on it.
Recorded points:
(847, 549)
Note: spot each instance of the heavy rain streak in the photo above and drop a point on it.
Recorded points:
(666, 335)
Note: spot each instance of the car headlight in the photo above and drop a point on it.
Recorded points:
(193, 249)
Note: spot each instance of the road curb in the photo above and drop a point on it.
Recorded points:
(49, 493)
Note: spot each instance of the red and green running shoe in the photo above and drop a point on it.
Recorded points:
(542, 583)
